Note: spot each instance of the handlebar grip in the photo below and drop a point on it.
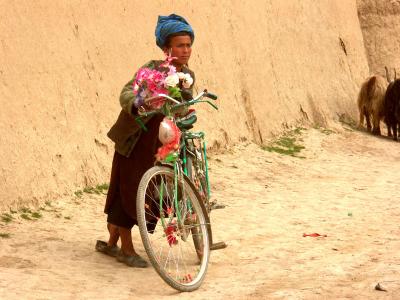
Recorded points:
(211, 96)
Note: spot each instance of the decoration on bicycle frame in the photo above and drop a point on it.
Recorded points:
(186, 278)
(170, 234)
(169, 135)
(150, 82)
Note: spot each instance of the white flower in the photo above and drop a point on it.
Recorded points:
(136, 87)
(181, 75)
(187, 81)
(172, 80)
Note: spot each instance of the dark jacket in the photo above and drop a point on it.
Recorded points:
(126, 131)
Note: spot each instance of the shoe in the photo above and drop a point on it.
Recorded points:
(135, 261)
(108, 250)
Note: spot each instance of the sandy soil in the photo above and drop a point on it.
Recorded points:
(346, 187)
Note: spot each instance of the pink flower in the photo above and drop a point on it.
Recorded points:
(168, 61)
(150, 83)
(172, 70)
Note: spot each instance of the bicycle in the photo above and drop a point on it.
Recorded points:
(173, 204)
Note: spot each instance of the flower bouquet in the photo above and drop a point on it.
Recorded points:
(149, 83)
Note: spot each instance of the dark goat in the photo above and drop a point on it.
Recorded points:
(392, 108)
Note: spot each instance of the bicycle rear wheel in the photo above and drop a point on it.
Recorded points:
(197, 239)
(166, 219)
(197, 172)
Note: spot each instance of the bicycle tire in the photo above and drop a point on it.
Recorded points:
(147, 195)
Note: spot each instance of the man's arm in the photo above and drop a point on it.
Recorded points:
(127, 98)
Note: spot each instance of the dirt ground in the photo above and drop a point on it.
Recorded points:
(346, 187)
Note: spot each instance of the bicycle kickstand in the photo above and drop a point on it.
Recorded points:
(218, 246)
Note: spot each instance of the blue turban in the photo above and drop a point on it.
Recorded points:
(167, 25)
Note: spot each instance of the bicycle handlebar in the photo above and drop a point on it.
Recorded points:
(210, 95)
(178, 104)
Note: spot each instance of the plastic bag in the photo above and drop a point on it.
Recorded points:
(169, 135)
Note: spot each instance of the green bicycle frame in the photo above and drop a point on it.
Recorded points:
(198, 135)
(168, 110)
(206, 163)
(161, 196)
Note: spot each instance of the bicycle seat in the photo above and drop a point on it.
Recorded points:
(187, 121)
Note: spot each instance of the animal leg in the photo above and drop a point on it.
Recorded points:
(394, 132)
(389, 130)
(360, 125)
(368, 122)
(377, 129)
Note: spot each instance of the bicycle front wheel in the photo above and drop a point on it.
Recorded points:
(167, 216)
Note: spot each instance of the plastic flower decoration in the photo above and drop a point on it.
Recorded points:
(150, 82)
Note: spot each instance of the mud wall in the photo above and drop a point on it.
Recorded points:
(380, 24)
(63, 64)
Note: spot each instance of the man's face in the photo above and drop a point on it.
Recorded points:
(181, 47)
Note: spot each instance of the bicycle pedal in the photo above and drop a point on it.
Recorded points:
(218, 246)
(215, 205)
